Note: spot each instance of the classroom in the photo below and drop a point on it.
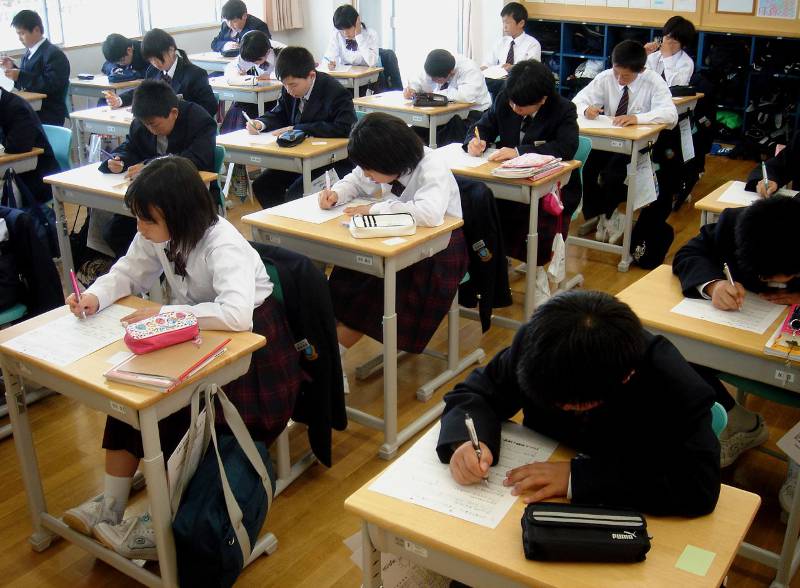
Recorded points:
(382, 293)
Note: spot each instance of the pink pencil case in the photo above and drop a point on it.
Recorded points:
(162, 330)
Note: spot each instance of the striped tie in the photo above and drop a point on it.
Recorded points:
(622, 108)
(510, 56)
(397, 188)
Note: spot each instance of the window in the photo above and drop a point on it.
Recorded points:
(179, 13)
(415, 37)
(79, 18)
(8, 8)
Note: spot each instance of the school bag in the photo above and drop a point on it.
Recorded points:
(17, 195)
(651, 239)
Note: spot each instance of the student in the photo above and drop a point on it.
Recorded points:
(124, 61)
(514, 46)
(529, 116)
(352, 42)
(215, 274)
(669, 59)
(163, 124)
(782, 170)
(310, 101)
(585, 373)
(461, 81)
(631, 95)
(255, 65)
(170, 64)
(235, 24)
(44, 68)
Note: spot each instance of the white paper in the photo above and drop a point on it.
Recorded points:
(740, 6)
(495, 72)
(6, 83)
(687, 145)
(644, 184)
(455, 157)
(340, 67)
(318, 184)
(602, 121)
(69, 338)
(790, 443)
(639, 4)
(307, 209)
(685, 5)
(420, 478)
(661, 4)
(736, 194)
(755, 316)
(242, 137)
(394, 241)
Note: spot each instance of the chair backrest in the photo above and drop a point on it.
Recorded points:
(582, 154)
(719, 418)
(391, 70)
(60, 139)
(219, 157)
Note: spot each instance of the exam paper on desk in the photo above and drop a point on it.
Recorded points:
(737, 194)
(601, 122)
(455, 157)
(307, 209)
(755, 316)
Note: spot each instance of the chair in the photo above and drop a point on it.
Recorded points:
(219, 157)
(60, 139)
(389, 78)
(719, 418)
(582, 154)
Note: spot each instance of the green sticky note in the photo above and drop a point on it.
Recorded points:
(695, 560)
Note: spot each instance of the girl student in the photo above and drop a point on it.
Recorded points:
(214, 273)
(390, 157)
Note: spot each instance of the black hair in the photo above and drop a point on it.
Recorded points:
(579, 347)
(439, 63)
(254, 45)
(173, 185)
(528, 82)
(294, 62)
(153, 98)
(766, 237)
(233, 9)
(680, 29)
(27, 20)
(629, 54)
(115, 47)
(344, 17)
(156, 43)
(384, 143)
(515, 10)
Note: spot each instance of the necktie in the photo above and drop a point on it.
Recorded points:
(351, 44)
(622, 108)
(444, 86)
(523, 128)
(166, 77)
(663, 73)
(510, 56)
(161, 144)
(397, 188)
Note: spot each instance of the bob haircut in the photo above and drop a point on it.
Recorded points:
(680, 29)
(383, 143)
(156, 43)
(344, 17)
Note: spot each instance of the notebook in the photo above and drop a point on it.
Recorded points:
(785, 341)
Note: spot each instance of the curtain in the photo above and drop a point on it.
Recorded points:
(282, 15)
(469, 26)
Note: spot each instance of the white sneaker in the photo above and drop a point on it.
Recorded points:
(732, 445)
(602, 229)
(133, 538)
(87, 516)
(616, 227)
(345, 382)
(786, 494)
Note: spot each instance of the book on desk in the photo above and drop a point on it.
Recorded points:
(785, 341)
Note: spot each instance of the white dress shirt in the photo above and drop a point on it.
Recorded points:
(466, 85)
(525, 47)
(173, 67)
(365, 54)
(430, 192)
(225, 278)
(648, 97)
(33, 49)
(677, 69)
(237, 69)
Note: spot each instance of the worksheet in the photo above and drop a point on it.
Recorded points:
(601, 122)
(755, 316)
(455, 157)
(736, 194)
(495, 72)
(307, 209)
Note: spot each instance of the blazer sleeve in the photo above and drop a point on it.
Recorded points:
(200, 149)
(133, 150)
(223, 36)
(280, 116)
(700, 260)
(341, 116)
(780, 168)
(199, 91)
(488, 126)
(20, 130)
(54, 77)
(563, 142)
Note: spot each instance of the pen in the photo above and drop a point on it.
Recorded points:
(327, 180)
(727, 271)
(105, 153)
(77, 291)
(473, 437)
(764, 176)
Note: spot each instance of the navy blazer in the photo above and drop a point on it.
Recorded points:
(783, 168)
(47, 72)
(134, 71)
(251, 24)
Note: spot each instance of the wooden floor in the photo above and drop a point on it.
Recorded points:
(308, 518)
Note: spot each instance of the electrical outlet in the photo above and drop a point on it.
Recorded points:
(784, 376)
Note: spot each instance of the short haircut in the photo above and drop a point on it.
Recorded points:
(629, 54)
(173, 185)
(680, 29)
(515, 10)
(579, 347)
(155, 43)
(115, 47)
(384, 143)
(27, 20)
(294, 62)
(439, 63)
(344, 17)
(153, 98)
(254, 45)
(233, 9)
(766, 237)
(528, 82)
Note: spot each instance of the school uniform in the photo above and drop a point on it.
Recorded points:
(226, 34)
(235, 73)
(553, 130)
(325, 111)
(426, 289)
(649, 446)
(135, 70)
(525, 47)
(44, 68)
(783, 169)
(362, 50)
(225, 285)
(676, 69)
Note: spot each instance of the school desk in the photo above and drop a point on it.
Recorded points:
(210, 61)
(32, 98)
(139, 407)
(258, 95)
(331, 242)
(355, 77)
(728, 350)
(493, 558)
(19, 162)
(527, 192)
(686, 103)
(710, 207)
(102, 120)
(94, 88)
(427, 117)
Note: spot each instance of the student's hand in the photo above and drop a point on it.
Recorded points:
(361, 209)
(331, 64)
(507, 66)
(771, 188)
(780, 297)
(134, 171)
(279, 132)
(116, 165)
(476, 147)
(230, 45)
(89, 304)
(139, 315)
(254, 127)
(264, 77)
(503, 154)
(651, 47)
(7, 63)
(465, 467)
(544, 480)
(409, 94)
(328, 199)
(112, 99)
(12, 74)
(592, 112)
(724, 296)
(625, 120)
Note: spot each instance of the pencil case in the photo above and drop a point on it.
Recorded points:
(365, 226)
(162, 330)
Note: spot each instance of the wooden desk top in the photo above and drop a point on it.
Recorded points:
(241, 140)
(210, 56)
(88, 371)
(396, 101)
(484, 173)
(631, 133)
(101, 83)
(711, 203)
(652, 297)
(30, 96)
(105, 114)
(333, 232)
(6, 158)
(355, 72)
(681, 100)
(220, 83)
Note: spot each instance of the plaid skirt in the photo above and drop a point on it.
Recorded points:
(514, 217)
(264, 396)
(425, 292)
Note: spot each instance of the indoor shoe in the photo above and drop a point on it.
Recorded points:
(732, 445)
(616, 227)
(602, 229)
(87, 516)
(133, 538)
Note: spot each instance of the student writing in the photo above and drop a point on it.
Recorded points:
(236, 23)
(352, 43)
(782, 169)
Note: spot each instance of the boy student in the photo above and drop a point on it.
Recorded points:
(585, 372)
(669, 59)
(124, 61)
(352, 42)
(461, 81)
(631, 95)
(44, 68)
(514, 46)
(782, 169)
(235, 24)
(311, 101)
(170, 64)
(163, 124)
(256, 60)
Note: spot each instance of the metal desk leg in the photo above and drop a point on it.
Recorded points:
(533, 253)
(80, 141)
(371, 559)
(261, 104)
(306, 163)
(390, 444)
(62, 232)
(787, 565)
(625, 259)
(432, 133)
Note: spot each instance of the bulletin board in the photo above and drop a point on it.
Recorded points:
(647, 13)
(780, 23)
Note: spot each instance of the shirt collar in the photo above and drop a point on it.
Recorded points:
(33, 49)
(171, 72)
(307, 95)
(672, 58)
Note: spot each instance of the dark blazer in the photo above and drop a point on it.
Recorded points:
(21, 131)
(783, 168)
(555, 126)
(329, 111)
(649, 447)
(190, 81)
(701, 259)
(135, 71)
(47, 72)
(251, 24)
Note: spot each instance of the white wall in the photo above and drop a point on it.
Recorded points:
(317, 29)
(486, 27)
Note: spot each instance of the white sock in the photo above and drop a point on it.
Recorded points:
(118, 488)
(740, 419)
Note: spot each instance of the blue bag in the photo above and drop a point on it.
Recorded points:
(43, 216)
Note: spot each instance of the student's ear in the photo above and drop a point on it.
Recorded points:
(129, 51)
(312, 74)
(173, 114)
